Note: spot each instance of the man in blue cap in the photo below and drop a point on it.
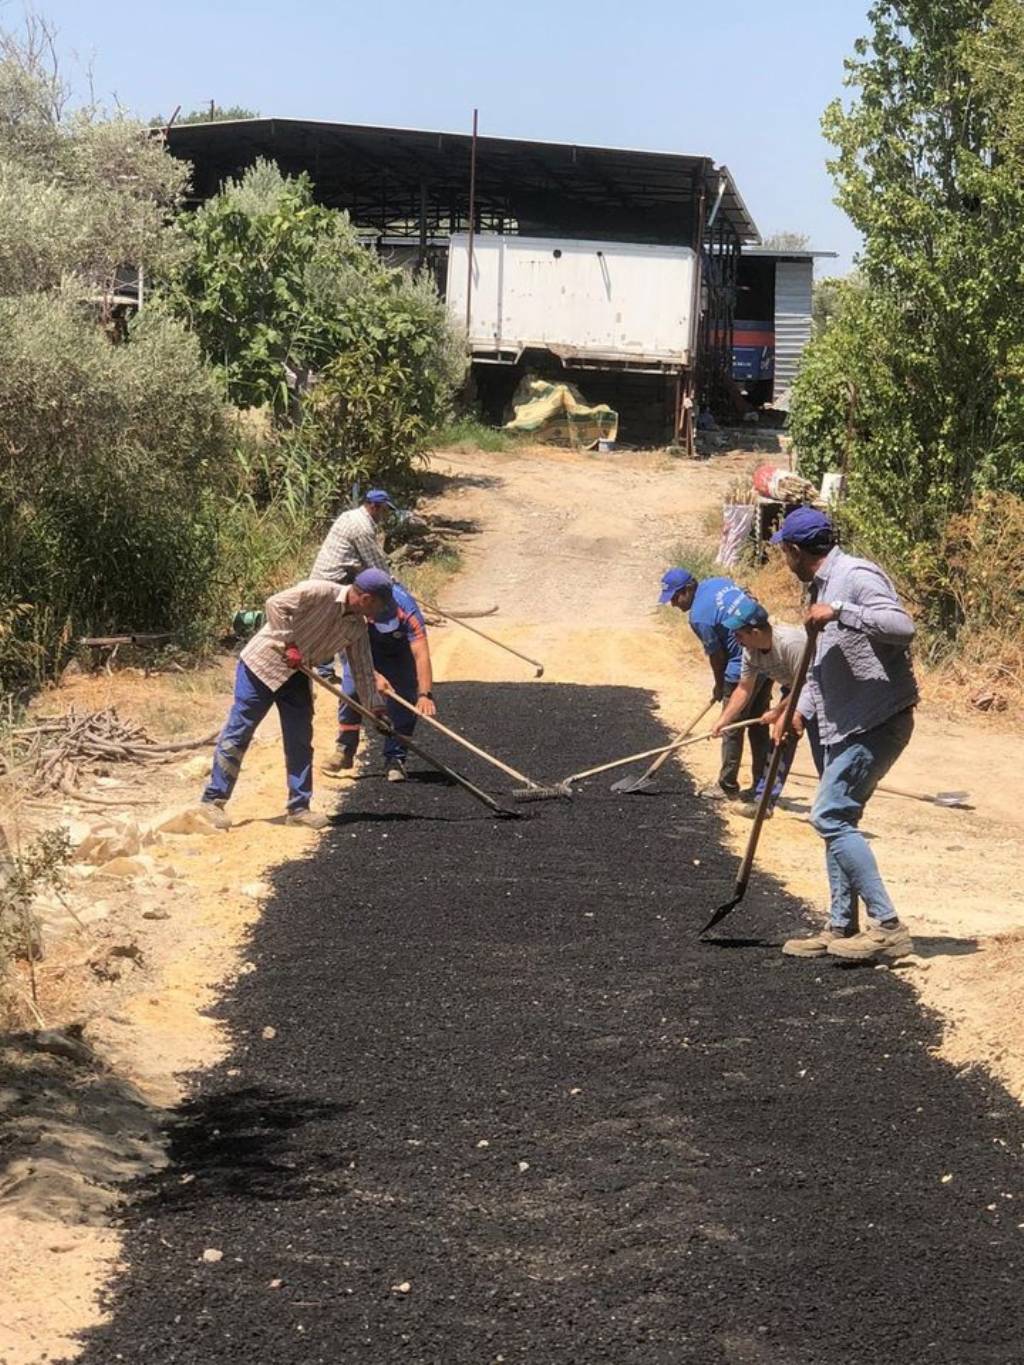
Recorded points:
(353, 542)
(770, 651)
(304, 625)
(706, 604)
(401, 654)
(861, 692)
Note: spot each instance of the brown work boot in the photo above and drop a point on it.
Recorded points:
(309, 819)
(814, 945)
(214, 814)
(341, 761)
(877, 943)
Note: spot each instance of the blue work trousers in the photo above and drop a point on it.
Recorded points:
(853, 769)
(400, 671)
(788, 753)
(253, 699)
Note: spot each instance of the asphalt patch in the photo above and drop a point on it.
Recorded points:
(492, 1099)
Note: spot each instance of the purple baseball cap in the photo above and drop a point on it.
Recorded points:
(380, 498)
(377, 582)
(802, 526)
(672, 582)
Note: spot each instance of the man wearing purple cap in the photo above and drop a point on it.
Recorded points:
(353, 543)
(861, 692)
(305, 625)
(707, 605)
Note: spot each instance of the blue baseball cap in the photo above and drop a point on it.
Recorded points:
(377, 582)
(743, 612)
(802, 526)
(672, 582)
(380, 498)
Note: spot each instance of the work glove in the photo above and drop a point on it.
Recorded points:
(293, 656)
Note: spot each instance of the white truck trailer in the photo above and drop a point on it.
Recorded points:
(595, 305)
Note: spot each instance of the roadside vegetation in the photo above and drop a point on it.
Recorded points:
(915, 387)
(159, 470)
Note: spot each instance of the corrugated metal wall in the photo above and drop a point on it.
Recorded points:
(793, 285)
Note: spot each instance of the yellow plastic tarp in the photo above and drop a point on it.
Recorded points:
(556, 413)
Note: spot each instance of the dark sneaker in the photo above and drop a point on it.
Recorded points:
(308, 819)
(815, 945)
(214, 814)
(876, 944)
(341, 761)
(396, 771)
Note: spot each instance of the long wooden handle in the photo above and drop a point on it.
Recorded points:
(460, 739)
(682, 735)
(386, 728)
(773, 767)
(484, 636)
(664, 750)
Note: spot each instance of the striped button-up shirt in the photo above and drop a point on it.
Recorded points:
(861, 674)
(314, 617)
(351, 545)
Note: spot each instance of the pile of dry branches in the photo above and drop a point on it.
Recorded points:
(50, 753)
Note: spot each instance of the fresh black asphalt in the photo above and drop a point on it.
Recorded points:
(514, 1110)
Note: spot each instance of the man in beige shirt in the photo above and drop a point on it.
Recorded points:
(306, 624)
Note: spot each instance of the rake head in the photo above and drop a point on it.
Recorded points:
(561, 791)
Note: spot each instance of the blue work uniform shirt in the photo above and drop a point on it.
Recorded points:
(706, 622)
(391, 639)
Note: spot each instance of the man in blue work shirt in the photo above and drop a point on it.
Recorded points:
(708, 604)
(401, 653)
(861, 691)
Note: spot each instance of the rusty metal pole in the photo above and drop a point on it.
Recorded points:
(472, 220)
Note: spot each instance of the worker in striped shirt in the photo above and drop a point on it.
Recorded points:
(306, 624)
(353, 542)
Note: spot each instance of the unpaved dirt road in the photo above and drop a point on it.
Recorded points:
(571, 548)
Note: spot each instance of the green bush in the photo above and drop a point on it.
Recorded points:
(109, 465)
(274, 285)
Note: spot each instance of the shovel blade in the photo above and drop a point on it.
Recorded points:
(957, 800)
(628, 785)
(721, 912)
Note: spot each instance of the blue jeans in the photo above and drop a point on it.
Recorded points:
(253, 699)
(853, 769)
(400, 671)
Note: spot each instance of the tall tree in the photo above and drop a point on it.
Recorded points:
(918, 383)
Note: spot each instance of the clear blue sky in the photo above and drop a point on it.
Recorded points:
(743, 83)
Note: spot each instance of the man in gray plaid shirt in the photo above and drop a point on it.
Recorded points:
(352, 543)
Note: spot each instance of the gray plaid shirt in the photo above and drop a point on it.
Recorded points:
(861, 674)
(350, 547)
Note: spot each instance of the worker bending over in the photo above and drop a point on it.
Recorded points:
(401, 653)
(354, 541)
(861, 691)
(773, 652)
(306, 624)
(706, 603)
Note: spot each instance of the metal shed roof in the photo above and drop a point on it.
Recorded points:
(351, 161)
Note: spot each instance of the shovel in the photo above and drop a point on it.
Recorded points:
(629, 785)
(957, 800)
(743, 877)
(386, 728)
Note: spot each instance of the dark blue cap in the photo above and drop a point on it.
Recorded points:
(672, 582)
(803, 525)
(743, 612)
(378, 496)
(377, 582)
